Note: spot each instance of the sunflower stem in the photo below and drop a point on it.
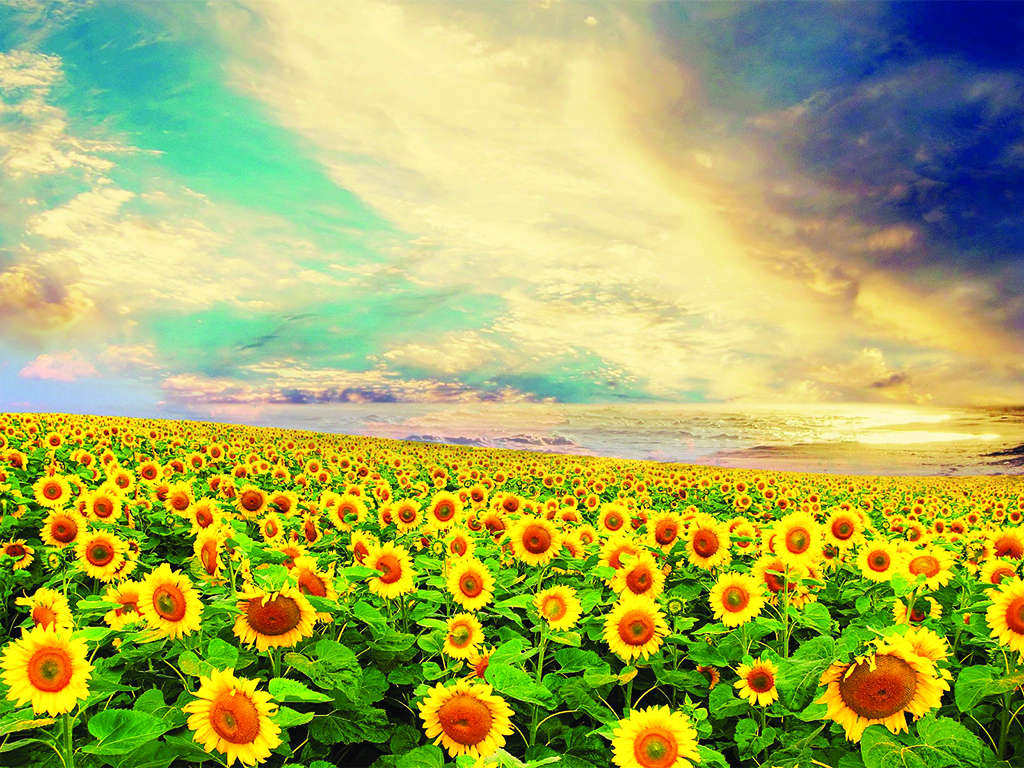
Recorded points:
(1004, 726)
(538, 676)
(68, 751)
(629, 698)
(275, 662)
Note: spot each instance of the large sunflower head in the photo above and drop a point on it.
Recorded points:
(798, 539)
(459, 543)
(934, 563)
(655, 737)
(535, 540)
(636, 627)
(757, 682)
(707, 542)
(663, 530)
(100, 554)
(444, 511)
(273, 619)
(1007, 542)
(47, 668)
(396, 573)
(466, 719)
(49, 608)
(52, 492)
(231, 716)
(879, 560)
(996, 571)
(62, 528)
(103, 504)
(1005, 617)
(464, 635)
(251, 501)
(470, 583)
(169, 603)
(844, 529)
(881, 688)
(208, 546)
(736, 598)
(126, 594)
(613, 517)
(641, 575)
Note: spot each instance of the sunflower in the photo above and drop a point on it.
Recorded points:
(655, 737)
(459, 543)
(360, 544)
(286, 502)
(707, 543)
(997, 571)
(231, 716)
(798, 539)
(880, 688)
(757, 682)
(663, 530)
(639, 574)
(52, 492)
(559, 606)
(178, 498)
(470, 583)
(736, 598)
(100, 554)
(348, 511)
(712, 675)
(127, 595)
(49, 608)
(466, 718)
(407, 515)
(273, 619)
(612, 517)
(924, 608)
(22, 553)
(615, 548)
(251, 501)
(208, 546)
(61, 528)
(396, 574)
(635, 627)
(169, 604)
(1007, 542)
(103, 504)
(47, 668)
(535, 540)
(479, 661)
(927, 644)
(464, 634)
(879, 560)
(312, 581)
(934, 563)
(444, 511)
(270, 528)
(844, 529)
(1005, 617)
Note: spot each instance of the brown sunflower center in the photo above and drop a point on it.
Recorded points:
(879, 561)
(554, 608)
(251, 500)
(311, 584)
(465, 719)
(761, 681)
(208, 554)
(917, 614)
(148, 472)
(842, 529)
(169, 602)
(639, 580)
(444, 511)
(179, 502)
(536, 539)
(407, 515)
(50, 669)
(1003, 572)
(270, 529)
(1015, 615)
(735, 599)
(665, 533)
(235, 718)
(103, 508)
(655, 748)
(43, 615)
(927, 564)
(64, 530)
(880, 692)
(15, 550)
(99, 553)
(1009, 546)
(51, 491)
(457, 547)
(705, 542)
(613, 522)
(390, 569)
(275, 617)
(636, 627)
(204, 517)
(461, 635)
(471, 584)
(798, 540)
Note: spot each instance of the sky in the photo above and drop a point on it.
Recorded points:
(214, 208)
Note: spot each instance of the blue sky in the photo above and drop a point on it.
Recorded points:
(211, 208)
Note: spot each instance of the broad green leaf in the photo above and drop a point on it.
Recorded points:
(427, 756)
(573, 660)
(292, 690)
(221, 655)
(881, 749)
(286, 717)
(152, 703)
(722, 703)
(816, 616)
(118, 731)
(956, 741)
(975, 683)
(369, 725)
(516, 684)
(799, 675)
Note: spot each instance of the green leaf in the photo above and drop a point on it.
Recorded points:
(722, 702)
(518, 685)
(800, 674)
(954, 740)
(404, 739)
(118, 731)
(427, 756)
(902, 585)
(221, 655)
(368, 614)
(368, 725)
(286, 717)
(152, 703)
(881, 749)
(816, 616)
(566, 638)
(573, 660)
(975, 683)
(292, 690)
(191, 664)
(152, 754)
(710, 758)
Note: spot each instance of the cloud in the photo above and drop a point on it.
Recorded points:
(36, 300)
(59, 366)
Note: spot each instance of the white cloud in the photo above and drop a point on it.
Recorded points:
(59, 366)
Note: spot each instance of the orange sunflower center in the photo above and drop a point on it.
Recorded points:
(15, 550)
(636, 627)
(773, 578)
(536, 539)
(208, 554)
(917, 614)
(471, 584)
(444, 511)
(43, 615)
(461, 635)
(760, 681)
(655, 748)
(554, 608)
(1009, 546)
(275, 617)
(407, 515)
(148, 472)
(103, 508)
(735, 599)
(50, 669)
(51, 491)
(1015, 615)
(235, 718)
(311, 584)
(879, 561)
(927, 564)
(842, 529)
(99, 553)
(639, 580)
(169, 602)
(179, 502)
(798, 540)
(465, 719)
(879, 693)
(665, 532)
(613, 522)
(271, 529)
(390, 568)
(458, 547)
(1004, 572)
(705, 542)
(64, 530)
(204, 517)
(251, 500)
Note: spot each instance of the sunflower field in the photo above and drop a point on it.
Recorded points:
(183, 593)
